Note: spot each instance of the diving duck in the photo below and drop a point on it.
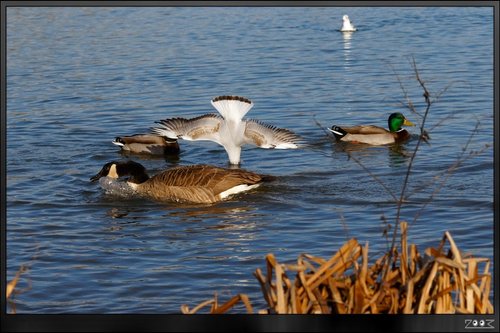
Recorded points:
(229, 129)
(147, 144)
(375, 135)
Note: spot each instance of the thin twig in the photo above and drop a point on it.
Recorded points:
(412, 157)
(463, 157)
(409, 104)
(421, 138)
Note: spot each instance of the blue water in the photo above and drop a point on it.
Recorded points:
(78, 77)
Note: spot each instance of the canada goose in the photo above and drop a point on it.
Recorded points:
(347, 26)
(147, 144)
(375, 135)
(229, 129)
(192, 184)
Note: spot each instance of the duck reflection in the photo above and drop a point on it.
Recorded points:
(398, 154)
(172, 159)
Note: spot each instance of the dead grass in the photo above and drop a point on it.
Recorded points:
(12, 287)
(441, 281)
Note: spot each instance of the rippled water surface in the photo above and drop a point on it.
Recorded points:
(78, 77)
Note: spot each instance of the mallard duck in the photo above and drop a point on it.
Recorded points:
(190, 184)
(147, 144)
(347, 26)
(229, 129)
(375, 135)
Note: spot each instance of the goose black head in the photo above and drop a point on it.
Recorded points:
(115, 169)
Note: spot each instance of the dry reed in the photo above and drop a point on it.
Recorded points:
(12, 288)
(438, 282)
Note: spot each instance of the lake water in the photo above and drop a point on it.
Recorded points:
(78, 77)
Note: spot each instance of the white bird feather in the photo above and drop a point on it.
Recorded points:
(229, 129)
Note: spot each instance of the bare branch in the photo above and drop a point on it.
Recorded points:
(421, 138)
(462, 158)
(409, 104)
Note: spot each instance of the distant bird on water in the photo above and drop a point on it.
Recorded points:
(347, 26)
(229, 129)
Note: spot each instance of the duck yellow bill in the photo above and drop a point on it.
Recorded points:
(408, 123)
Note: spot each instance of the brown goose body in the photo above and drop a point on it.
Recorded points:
(191, 184)
(147, 144)
(198, 184)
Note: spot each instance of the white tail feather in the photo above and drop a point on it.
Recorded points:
(237, 189)
(232, 107)
(336, 132)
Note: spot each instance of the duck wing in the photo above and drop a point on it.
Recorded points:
(139, 138)
(204, 127)
(365, 129)
(269, 136)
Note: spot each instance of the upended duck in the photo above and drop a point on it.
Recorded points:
(375, 135)
(189, 184)
(229, 129)
(147, 144)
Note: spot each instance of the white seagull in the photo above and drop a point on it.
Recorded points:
(347, 25)
(229, 129)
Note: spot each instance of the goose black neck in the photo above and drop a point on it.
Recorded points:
(138, 178)
(135, 170)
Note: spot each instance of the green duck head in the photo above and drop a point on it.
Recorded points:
(397, 120)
